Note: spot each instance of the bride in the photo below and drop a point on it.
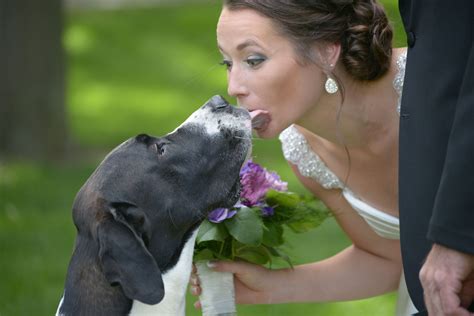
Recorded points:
(322, 76)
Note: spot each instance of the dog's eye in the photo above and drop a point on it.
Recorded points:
(159, 148)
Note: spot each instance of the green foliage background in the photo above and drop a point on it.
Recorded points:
(132, 71)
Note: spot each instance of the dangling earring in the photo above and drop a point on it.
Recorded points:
(331, 86)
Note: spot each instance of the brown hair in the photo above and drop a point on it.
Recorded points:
(360, 26)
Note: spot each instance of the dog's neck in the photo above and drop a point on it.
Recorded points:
(176, 281)
(87, 292)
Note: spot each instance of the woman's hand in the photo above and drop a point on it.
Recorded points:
(253, 283)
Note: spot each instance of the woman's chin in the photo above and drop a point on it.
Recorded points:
(266, 133)
(268, 129)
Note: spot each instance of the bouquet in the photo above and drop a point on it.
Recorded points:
(252, 230)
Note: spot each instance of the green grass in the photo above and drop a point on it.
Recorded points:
(131, 71)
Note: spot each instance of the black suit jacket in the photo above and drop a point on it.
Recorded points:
(436, 177)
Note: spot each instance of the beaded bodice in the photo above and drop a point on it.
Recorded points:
(398, 81)
(297, 150)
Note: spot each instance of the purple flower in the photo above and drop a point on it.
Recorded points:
(275, 182)
(256, 181)
(220, 214)
(268, 211)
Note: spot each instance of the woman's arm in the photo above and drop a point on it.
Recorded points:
(349, 275)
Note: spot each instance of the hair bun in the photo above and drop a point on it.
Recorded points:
(367, 42)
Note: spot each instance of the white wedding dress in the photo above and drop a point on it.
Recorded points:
(297, 151)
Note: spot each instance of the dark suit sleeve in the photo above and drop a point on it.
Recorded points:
(452, 223)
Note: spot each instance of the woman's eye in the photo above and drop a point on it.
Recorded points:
(255, 61)
(226, 63)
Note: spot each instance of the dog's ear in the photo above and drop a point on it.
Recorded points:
(124, 257)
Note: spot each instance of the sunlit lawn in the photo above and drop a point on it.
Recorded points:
(130, 71)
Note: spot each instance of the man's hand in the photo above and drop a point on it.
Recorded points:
(447, 278)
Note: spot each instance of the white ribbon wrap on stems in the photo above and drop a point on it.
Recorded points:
(217, 291)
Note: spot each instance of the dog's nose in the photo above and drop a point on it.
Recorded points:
(219, 102)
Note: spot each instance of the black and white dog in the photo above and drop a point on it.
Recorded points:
(138, 213)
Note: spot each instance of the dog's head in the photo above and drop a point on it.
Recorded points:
(150, 193)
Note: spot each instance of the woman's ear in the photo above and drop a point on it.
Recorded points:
(333, 51)
(328, 55)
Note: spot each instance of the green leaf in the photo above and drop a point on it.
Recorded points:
(299, 212)
(257, 255)
(211, 245)
(205, 254)
(275, 252)
(210, 231)
(273, 235)
(246, 227)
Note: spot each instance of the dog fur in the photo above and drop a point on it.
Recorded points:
(138, 213)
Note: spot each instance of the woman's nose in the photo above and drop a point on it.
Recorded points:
(235, 84)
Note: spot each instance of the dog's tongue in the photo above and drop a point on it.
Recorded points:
(260, 118)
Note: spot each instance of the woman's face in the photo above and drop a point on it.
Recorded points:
(263, 71)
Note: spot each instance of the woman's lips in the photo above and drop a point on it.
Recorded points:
(260, 119)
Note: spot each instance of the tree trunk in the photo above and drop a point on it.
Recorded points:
(33, 122)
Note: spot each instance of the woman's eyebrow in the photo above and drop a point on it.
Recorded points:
(246, 44)
(243, 45)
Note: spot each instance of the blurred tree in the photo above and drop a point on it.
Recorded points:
(33, 121)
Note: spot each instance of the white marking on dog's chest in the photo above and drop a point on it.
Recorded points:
(176, 282)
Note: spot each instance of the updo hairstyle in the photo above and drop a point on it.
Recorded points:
(360, 26)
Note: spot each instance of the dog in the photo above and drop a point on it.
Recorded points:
(138, 214)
